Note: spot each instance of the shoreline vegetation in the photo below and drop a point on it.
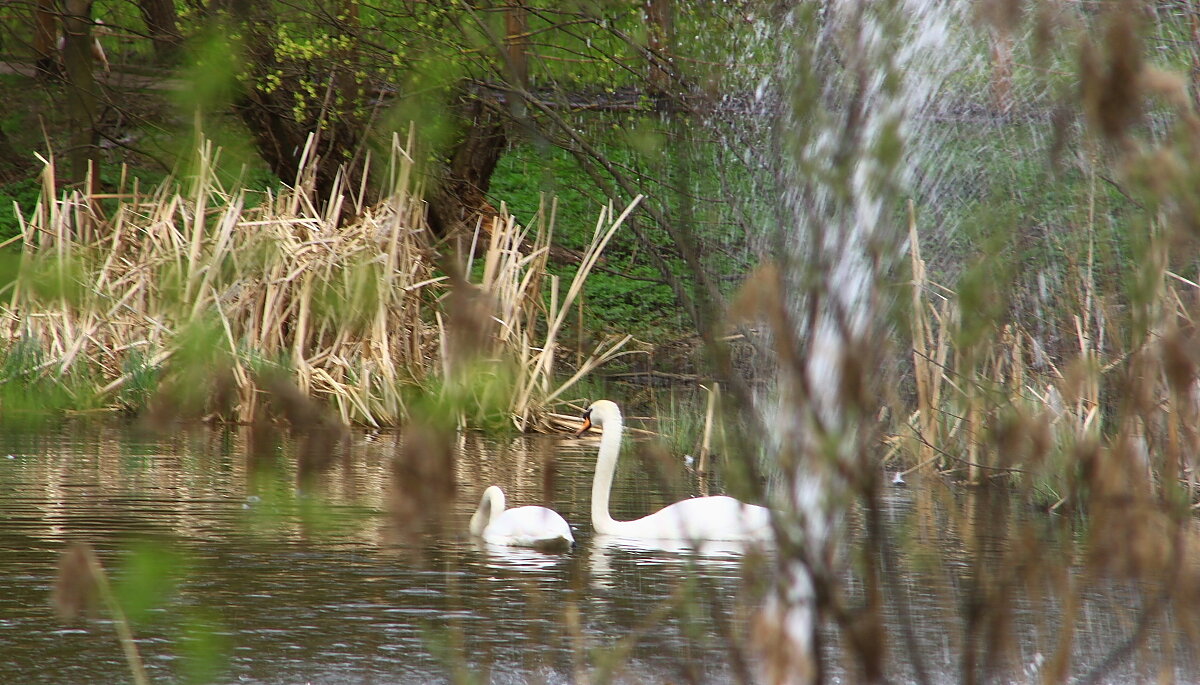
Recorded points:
(1099, 406)
(203, 299)
(191, 292)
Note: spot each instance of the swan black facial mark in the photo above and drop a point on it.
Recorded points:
(587, 422)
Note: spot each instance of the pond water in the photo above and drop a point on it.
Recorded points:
(319, 585)
(233, 573)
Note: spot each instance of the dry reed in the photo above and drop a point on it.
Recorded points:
(1012, 410)
(351, 308)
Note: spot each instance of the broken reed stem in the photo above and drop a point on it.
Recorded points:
(81, 577)
(921, 332)
(706, 440)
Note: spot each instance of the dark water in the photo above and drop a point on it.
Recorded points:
(234, 573)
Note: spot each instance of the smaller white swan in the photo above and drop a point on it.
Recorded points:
(536, 527)
(691, 520)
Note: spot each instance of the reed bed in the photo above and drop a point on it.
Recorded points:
(1123, 396)
(1098, 425)
(197, 284)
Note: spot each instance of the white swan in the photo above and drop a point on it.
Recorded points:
(697, 519)
(536, 527)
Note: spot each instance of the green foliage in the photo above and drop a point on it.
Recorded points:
(204, 644)
(278, 506)
(644, 307)
(10, 268)
(626, 292)
(212, 90)
(529, 175)
(197, 368)
(351, 302)
(147, 578)
(478, 393)
(681, 423)
(56, 280)
(18, 196)
(31, 394)
(1008, 202)
(981, 289)
(591, 388)
(143, 381)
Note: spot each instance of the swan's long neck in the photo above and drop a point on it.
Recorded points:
(606, 467)
(497, 503)
(491, 507)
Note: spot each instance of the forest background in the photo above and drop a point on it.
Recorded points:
(513, 109)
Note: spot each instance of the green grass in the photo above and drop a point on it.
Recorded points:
(1009, 204)
(22, 193)
(628, 300)
(32, 396)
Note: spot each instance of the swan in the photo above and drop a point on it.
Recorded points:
(536, 527)
(697, 519)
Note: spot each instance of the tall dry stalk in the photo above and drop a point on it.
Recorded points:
(536, 366)
(929, 357)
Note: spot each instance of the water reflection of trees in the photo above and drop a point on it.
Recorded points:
(976, 581)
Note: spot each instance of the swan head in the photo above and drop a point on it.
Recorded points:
(598, 413)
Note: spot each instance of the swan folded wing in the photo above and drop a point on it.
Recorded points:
(708, 518)
(528, 527)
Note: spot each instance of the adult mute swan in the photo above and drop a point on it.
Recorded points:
(697, 519)
(536, 527)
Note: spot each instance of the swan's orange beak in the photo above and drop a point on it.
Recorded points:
(587, 424)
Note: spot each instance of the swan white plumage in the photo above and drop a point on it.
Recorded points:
(531, 526)
(697, 519)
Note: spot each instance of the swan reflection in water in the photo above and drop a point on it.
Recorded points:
(505, 557)
(722, 558)
(716, 557)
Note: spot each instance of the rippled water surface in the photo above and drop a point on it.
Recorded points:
(290, 584)
(237, 570)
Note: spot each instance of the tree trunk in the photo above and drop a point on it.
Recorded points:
(163, 25)
(460, 201)
(516, 23)
(45, 33)
(280, 136)
(516, 62)
(659, 38)
(82, 96)
(280, 140)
